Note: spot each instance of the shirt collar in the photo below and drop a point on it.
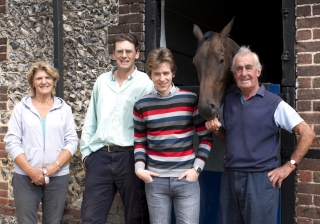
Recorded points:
(160, 95)
(130, 77)
(260, 92)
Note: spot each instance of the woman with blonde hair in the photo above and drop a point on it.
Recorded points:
(41, 140)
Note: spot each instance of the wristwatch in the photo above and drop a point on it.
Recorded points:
(198, 169)
(293, 162)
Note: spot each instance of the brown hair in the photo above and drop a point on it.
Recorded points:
(158, 56)
(126, 37)
(42, 66)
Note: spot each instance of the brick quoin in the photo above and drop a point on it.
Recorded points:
(2, 9)
(3, 89)
(3, 106)
(118, 29)
(303, 11)
(312, 70)
(3, 57)
(4, 201)
(3, 155)
(305, 211)
(303, 106)
(139, 27)
(7, 210)
(3, 41)
(137, 8)
(316, 106)
(304, 35)
(304, 221)
(316, 10)
(307, 47)
(316, 58)
(3, 49)
(3, 185)
(308, 23)
(304, 176)
(2, 146)
(124, 9)
(304, 199)
(123, 19)
(304, 94)
(304, 58)
(122, 2)
(317, 200)
(304, 82)
(316, 34)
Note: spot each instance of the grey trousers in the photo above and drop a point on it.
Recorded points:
(27, 197)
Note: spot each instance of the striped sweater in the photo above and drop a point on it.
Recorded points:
(163, 131)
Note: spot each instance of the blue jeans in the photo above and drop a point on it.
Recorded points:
(248, 197)
(185, 196)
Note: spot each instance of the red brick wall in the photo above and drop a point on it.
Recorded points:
(4, 199)
(131, 19)
(3, 40)
(2, 6)
(308, 105)
(3, 46)
(308, 192)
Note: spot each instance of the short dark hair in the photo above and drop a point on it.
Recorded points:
(158, 56)
(126, 37)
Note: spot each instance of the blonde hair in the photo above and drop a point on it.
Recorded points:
(42, 66)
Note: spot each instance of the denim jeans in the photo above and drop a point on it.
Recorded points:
(248, 197)
(162, 192)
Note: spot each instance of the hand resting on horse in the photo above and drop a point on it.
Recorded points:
(216, 128)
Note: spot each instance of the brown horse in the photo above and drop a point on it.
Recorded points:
(213, 61)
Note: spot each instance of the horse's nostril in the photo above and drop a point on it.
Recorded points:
(212, 105)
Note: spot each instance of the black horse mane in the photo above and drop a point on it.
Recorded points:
(207, 36)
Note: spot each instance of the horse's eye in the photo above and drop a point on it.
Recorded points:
(221, 61)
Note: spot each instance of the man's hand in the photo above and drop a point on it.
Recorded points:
(279, 174)
(191, 175)
(213, 125)
(146, 175)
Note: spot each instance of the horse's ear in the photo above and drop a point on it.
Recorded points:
(226, 30)
(197, 32)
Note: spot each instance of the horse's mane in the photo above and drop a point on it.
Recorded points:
(207, 36)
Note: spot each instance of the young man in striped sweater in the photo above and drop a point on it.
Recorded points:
(164, 124)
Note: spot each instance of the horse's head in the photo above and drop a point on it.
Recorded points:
(213, 60)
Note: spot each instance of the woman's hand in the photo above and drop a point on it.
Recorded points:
(52, 169)
(36, 175)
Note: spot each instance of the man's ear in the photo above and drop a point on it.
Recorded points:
(259, 73)
(137, 55)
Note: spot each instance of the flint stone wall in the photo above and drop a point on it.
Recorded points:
(89, 26)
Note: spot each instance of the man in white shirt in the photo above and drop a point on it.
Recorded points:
(107, 138)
